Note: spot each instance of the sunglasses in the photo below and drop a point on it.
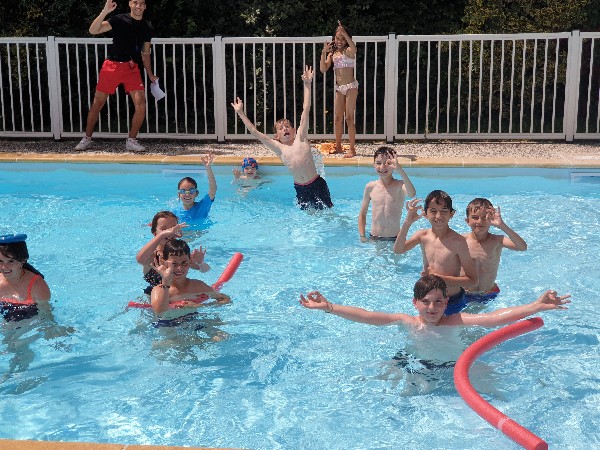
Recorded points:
(191, 191)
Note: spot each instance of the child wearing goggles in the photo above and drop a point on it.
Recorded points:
(190, 211)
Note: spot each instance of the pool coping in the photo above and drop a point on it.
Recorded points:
(559, 161)
(6, 444)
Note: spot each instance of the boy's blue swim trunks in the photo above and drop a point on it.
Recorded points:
(456, 303)
(482, 297)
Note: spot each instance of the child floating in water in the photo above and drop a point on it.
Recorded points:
(175, 286)
(164, 227)
(249, 170)
(22, 287)
(190, 210)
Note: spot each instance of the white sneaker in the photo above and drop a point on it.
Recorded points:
(133, 145)
(84, 143)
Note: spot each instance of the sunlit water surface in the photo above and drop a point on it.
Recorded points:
(262, 372)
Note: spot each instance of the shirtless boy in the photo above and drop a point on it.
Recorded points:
(387, 195)
(430, 299)
(293, 148)
(485, 248)
(445, 252)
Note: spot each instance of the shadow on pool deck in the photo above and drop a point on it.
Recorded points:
(43, 445)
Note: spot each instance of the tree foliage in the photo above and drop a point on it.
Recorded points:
(531, 16)
(207, 18)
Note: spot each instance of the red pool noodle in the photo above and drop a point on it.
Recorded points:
(496, 418)
(234, 263)
(228, 272)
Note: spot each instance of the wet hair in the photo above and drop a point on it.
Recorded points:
(175, 247)
(478, 203)
(161, 215)
(279, 122)
(440, 197)
(189, 180)
(15, 250)
(384, 151)
(18, 251)
(428, 283)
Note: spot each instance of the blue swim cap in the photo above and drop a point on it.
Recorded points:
(249, 162)
(11, 238)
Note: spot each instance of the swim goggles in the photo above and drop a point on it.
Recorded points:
(191, 191)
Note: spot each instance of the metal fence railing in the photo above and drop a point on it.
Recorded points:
(536, 86)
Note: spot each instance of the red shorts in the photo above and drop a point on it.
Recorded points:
(114, 73)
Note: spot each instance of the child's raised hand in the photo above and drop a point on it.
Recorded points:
(392, 163)
(413, 207)
(237, 173)
(551, 300)
(208, 159)
(175, 232)
(238, 105)
(495, 217)
(307, 76)
(197, 256)
(165, 270)
(314, 300)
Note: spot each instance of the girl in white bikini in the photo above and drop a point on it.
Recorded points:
(342, 53)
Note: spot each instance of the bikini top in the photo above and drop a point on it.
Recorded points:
(29, 300)
(340, 61)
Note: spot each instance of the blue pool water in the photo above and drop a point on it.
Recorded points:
(263, 373)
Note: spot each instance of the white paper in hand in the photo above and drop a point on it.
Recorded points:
(156, 90)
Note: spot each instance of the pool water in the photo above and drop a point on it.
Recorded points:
(263, 372)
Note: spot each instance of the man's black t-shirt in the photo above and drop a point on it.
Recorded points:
(129, 36)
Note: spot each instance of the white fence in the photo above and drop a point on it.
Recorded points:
(536, 86)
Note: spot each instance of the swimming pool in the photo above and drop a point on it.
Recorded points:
(282, 377)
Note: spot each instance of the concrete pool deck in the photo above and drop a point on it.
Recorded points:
(418, 154)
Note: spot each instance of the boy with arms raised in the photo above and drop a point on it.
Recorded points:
(485, 248)
(294, 151)
(445, 252)
(387, 195)
(430, 300)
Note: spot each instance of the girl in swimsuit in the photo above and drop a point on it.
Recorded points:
(342, 54)
(164, 226)
(21, 285)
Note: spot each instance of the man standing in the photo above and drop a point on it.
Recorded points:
(131, 45)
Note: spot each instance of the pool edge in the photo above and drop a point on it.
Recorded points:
(7, 444)
(559, 161)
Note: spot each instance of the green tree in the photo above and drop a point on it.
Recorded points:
(531, 16)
